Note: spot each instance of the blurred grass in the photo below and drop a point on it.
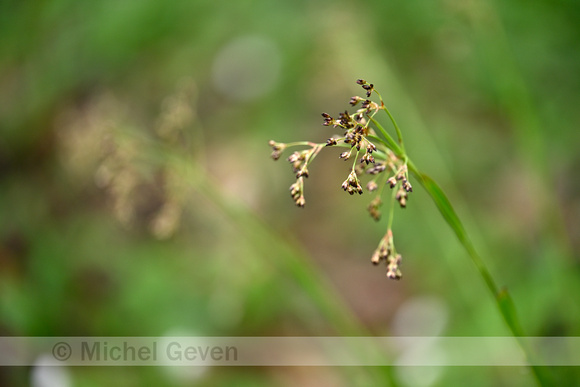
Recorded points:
(484, 92)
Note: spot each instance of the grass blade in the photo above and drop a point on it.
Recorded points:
(504, 301)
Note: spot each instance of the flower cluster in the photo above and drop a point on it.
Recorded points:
(277, 149)
(297, 192)
(299, 161)
(386, 252)
(352, 185)
(372, 155)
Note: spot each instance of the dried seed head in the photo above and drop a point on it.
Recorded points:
(367, 158)
(328, 120)
(378, 168)
(348, 137)
(302, 172)
(372, 186)
(401, 196)
(352, 185)
(356, 132)
(300, 202)
(376, 258)
(369, 88)
(331, 142)
(277, 149)
(373, 208)
(275, 155)
(297, 192)
(382, 251)
(296, 156)
(346, 120)
(393, 271)
(277, 145)
(386, 251)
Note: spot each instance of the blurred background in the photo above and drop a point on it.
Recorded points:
(137, 196)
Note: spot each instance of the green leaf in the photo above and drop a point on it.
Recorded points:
(504, 301)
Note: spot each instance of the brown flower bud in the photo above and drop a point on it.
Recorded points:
(300, 202)
(331, 142)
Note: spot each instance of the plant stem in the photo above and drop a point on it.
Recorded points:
(397, 129)
(388, 140)
(504, 301)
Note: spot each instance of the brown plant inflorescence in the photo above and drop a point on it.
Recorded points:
(371, 155)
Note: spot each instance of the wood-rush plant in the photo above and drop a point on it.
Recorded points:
(380, 157)
(375, 152)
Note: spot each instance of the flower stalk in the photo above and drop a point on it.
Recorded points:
(374, 153)
(386, 159)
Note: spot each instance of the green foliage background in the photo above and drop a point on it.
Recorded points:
(137, 196)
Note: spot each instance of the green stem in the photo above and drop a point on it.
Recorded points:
(452, 219)
(397, 129)
(504, 301)
(355, 160)
(388, 140)
(300, 143)
(314, 153)
(381, 182)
